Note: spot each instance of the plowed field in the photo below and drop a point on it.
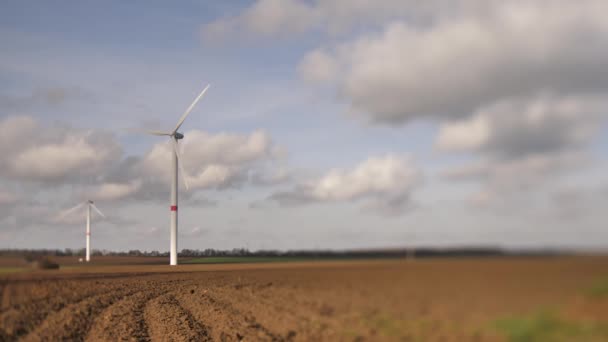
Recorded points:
(425, 300)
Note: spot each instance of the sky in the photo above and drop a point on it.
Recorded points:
(328, 124)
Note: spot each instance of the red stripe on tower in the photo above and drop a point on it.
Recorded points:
(173, 208)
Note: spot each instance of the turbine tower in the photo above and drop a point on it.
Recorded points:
(90, 204)
(176, 162)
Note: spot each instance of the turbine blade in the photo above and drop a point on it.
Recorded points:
(69, 211)
(98, 211)
(181, 120)
(158, 133)
(180, 164)
(133, 130)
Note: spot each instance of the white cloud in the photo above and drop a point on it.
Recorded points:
(517, 182)
(270, 176)
(265, 18)
(272, 16)
(514, 128)
(467, 135)
(13, 128)
(452, 66)
(386, 181)
(228, 148)
(318, 66)
(522, 172)
(518, 84)
(7, 198)
(385, 175)
(114, 191)
(523, 145)
(51, 161)
(32, 151)
(290, 17)
(213, 160)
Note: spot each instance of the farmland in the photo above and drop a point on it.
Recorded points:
(494, 299)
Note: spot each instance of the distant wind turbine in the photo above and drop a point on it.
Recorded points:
(176, 162)
(89, 205)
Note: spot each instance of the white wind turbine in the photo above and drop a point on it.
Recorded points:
(89, 205)
(175, 163)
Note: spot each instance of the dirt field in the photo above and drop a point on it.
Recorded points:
(424, 300)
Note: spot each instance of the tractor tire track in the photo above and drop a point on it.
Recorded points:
(167, 320)
(20, 319)
(5, 292)
(68, 288)
(73, 322)
(124, 320)
(229, 324)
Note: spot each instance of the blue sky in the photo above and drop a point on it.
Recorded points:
(374, 129)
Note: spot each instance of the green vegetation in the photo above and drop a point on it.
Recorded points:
(239, 260)
(386, 325)
(267, 259)
(599, 289)
(546, 326)
(5, 270)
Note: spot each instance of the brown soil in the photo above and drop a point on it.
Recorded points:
(429, 300)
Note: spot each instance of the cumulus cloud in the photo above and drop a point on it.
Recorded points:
(114, 191)
(55, 160)
(318, 66)
(516, 128)
(520, 173)
(452, 66)
(519, 182)
(517, 85)
(213, 160)
(288, 17)
(35, 152)
(270, 176)
(54, 166)
(265, 17)
(523, 145)
(384, 182)
(48, 163)
(7, 198)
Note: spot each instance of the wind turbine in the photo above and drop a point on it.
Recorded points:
(89, 205)
(176, 162)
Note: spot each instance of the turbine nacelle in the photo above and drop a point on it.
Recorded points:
(178, 136)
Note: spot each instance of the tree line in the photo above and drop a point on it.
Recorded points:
(243, 252)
